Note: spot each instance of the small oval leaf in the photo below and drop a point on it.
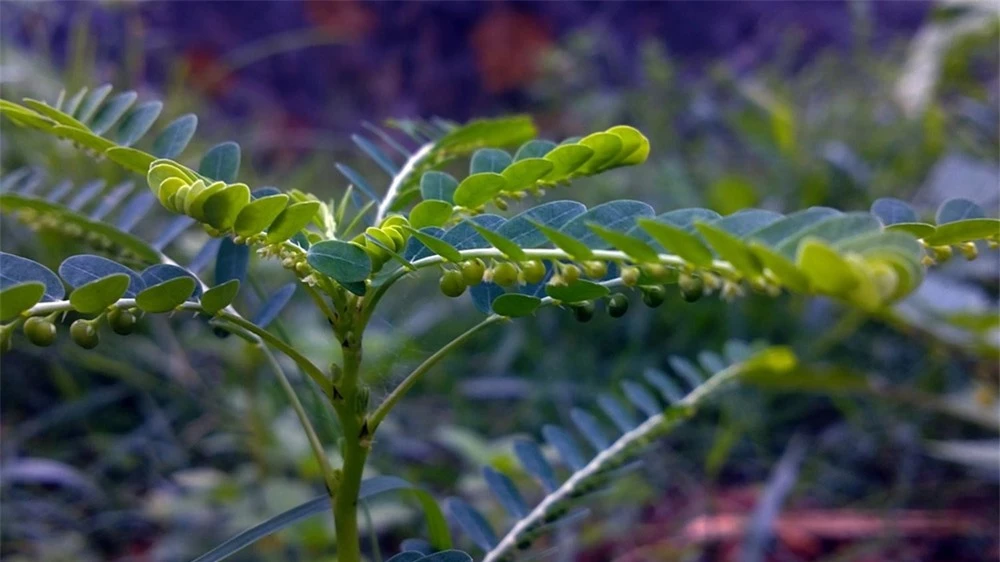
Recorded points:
(17, 298)
(166, 296)
(220, 296)
(344, 262)
(95, 296)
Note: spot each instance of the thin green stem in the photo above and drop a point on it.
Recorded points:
(397, 393)
(355, 451)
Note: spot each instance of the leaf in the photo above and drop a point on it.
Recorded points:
(478, 189)
(221, 162)
(515, 305)
(783, 269)
(606, 147)
(633, 247)
(231, 262)
(892, 211)
(96, 296)
(489, 160)
(438, 185)
(572, 246)
(175, 136)
(344, 262)
(666, 387)
(777, 231)
(522, 231)
(563, 443)
(730, 248)
(220, 296)
(156, 274)
(831, 230)
(506, 493)
(590, 428)
(53, 113)
(376, 154)
(686, 218)
(293, 219)
(408, 556)
(613, 215)
(447, 556)
(435, 245)
(505, 131)
(635, 146)
(958, 209)
(137, 123)
(612, 408)
(259, 214)
(15, 299)
(112, 111)
(641, 398)
(535, 464)
(686, 370)
(579, 291)
(431, 212)
(91, 102)
(744, 222)
(130, 158)
(273, 306)
(357, 180)
(502, 243)
(676, 240)
(472, 522)
(566, 159)
(533, 149)
(82, 269)
(965, 230)
(524, 173)
(166, 296)
(222, 208)
(825, 268)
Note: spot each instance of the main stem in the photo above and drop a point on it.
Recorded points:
(355, 447)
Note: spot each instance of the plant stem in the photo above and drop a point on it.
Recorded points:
(355, 447)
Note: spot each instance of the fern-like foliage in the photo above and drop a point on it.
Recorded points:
(654, 409)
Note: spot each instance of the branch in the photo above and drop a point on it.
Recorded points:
(400, 178)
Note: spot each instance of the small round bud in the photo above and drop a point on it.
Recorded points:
(654, 296)
(84, 334)
(656, 272)
(583, 311)
(941, 253)
(452, 284)
(302, 268)
(617, 305)
(692, 288)
(630, 276)
(505, 274)
(969, 250)
(40, 331)
(595, 269)
(122, 321)
(500, 203)
(570, 273)
(472, 271)
(534, 271)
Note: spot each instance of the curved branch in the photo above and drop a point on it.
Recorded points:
(400, 178)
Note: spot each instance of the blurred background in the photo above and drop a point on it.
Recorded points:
(158, 447)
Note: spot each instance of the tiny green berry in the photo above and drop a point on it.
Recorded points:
(570, 273)
(534, 271)
(122, 321)
(692, 288)
(595, 269)
(472, 271)
(40, 331)
(84, 334)
(452, 284)
(617, 305)
(654, 295)
(630, 276)
(583, 311)
(505, 274)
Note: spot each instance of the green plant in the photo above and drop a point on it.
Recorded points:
(346, 258)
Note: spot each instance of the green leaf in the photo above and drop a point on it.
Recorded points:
(161, 171)
(53, 113)
(221, 162)
(487, 160)
(524, 173)
(438, 185)
(565, 242)
(612, 215)
(83, 138)
(293, 219)
(91, 102)
(112, 111)
(198, 194)
(636, 249)
(825, 268)
(958, 209)
(82, 269)
(15, 270)
(436, 245)
(506, 131)
(744, 222)
(135, 160)
(17, 298)
(165, 296)
(500, 242)
(832, 230)
(783, 269)
(222, 208)
(175, 137)
(730, 248)
(917, 229)
(344, 262)
(673, 239)
(606, 147)
(966, 230)
(432, 212)
(566, 159)
(515, 305)
(479, 189)
(259, 214)
(220, 296)
(777, 231)
(534, 149)
(635, 146)
(100, 294)
(579, 291)
(137, 123)
(893, 211)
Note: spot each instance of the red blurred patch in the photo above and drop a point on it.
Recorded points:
(206, 72)
(346, 18)
(507, 47)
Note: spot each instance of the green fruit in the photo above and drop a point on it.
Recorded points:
(84, 334)
(630, 276)
(40, 331)
(452, 284)
(583, 311)
(534, 271)
(654, 296)
(692, 288)
(617, 305)
(570, 273)
(122, 321)
(505, 274)
(595, 269)
(656, 272)
(472, 271)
